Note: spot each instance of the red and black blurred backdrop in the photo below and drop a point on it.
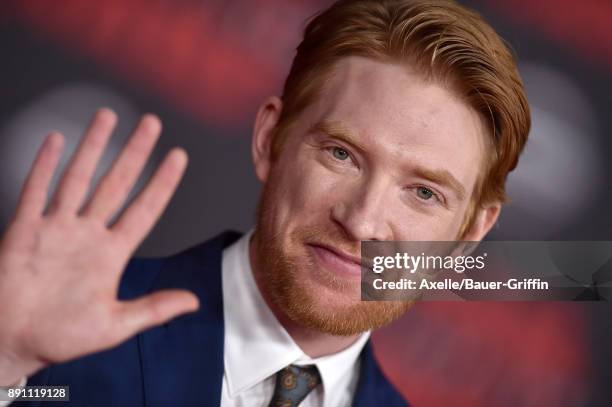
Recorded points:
(204, 66)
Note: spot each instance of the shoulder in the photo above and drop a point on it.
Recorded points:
(181, 270)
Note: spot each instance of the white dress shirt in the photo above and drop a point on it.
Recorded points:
(257, 346)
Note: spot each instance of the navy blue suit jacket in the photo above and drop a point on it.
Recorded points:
(179, 363)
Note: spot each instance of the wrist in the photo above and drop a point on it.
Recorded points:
(18, 383)
(13, 368)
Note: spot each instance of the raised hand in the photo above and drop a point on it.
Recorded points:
(60, 268)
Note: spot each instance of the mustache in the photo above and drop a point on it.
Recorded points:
(331, 238)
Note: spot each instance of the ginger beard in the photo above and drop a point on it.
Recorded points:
(306, 293)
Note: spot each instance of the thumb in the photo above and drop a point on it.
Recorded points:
(155, 309)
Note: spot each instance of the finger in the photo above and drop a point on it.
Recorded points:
(117, 183)
(155, 309)
(141, 215)
(34, 192)
(77, 176)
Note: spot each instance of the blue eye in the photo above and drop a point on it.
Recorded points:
(425, 193)
(340, 153)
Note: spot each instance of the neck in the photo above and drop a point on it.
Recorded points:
(312, 342)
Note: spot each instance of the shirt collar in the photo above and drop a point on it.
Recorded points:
(256, 344)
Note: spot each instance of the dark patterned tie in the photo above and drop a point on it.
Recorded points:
(293, 384)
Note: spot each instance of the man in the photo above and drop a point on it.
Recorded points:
(399, 120)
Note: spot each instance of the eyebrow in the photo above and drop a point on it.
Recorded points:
(339, 131)
(440, 176)
(444, 178)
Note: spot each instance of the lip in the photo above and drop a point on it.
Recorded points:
(336, 261)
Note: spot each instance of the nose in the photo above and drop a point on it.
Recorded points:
(362, 213)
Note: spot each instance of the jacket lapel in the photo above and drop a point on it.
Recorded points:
(373, 388)
(182, 361)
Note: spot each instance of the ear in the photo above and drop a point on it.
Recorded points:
(483, 222)
(263, 130)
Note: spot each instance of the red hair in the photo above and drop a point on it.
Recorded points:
(444, 41)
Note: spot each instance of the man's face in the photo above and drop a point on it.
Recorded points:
(382, 154)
